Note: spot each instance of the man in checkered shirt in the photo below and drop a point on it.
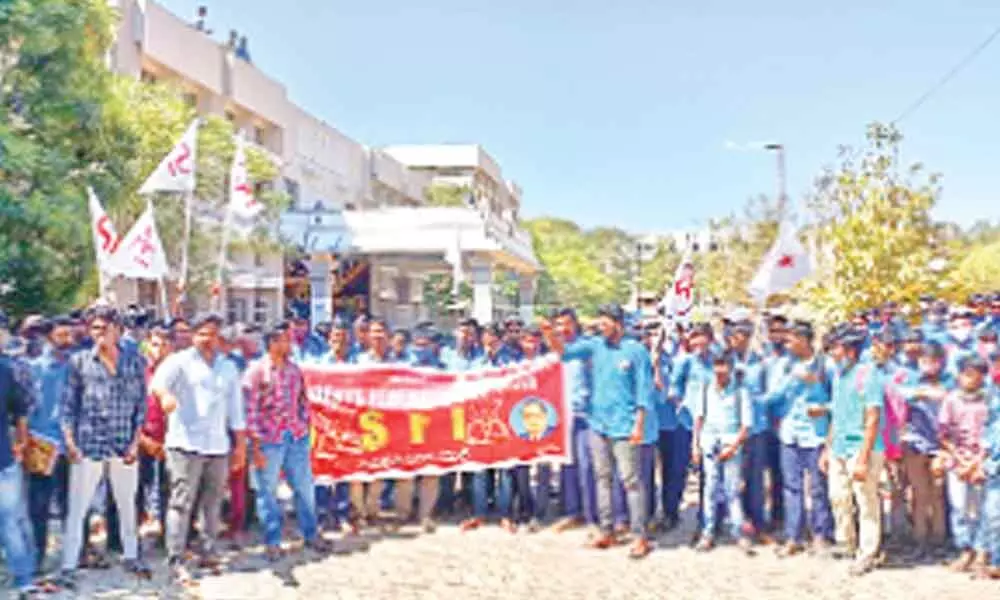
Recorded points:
(102, 409)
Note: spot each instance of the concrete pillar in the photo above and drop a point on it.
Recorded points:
(526, 297)
(480, 276)
(320, 287)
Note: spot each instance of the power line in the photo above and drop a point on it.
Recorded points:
(948, 76)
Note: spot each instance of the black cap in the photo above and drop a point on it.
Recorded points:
(612, 311)
(513, 320)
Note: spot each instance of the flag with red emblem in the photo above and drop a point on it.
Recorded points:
(784, 265)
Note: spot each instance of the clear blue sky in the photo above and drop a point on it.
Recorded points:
(619, 112)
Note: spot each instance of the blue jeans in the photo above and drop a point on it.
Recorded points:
(481, 493)
(154, 488)
(675, 445)
(795, 463)
(543, 492)
(579, 493)
(777, 476)
(722, 489)
(292, 457)
(333, 501)
(991, 519)
(754, 466)
(617, 465)
(15, 538)
(965, 500)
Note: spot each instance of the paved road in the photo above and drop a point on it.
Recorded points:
(491, 564)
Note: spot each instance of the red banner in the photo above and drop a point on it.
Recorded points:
(388, 421)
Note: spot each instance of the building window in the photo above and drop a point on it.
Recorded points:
(147, 77)
(292, 189)
(237, 310)
(261, 311)
(259, 135)
(402, 285)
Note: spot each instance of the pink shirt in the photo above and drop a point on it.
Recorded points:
(961, 422)
(275, 401)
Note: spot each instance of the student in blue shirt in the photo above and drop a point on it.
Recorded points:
(990, 474)
(749, 369)
(923, 392)
(334, 506)
(934, 326)
(464, 356)
(622, 399)
(960, 341)
(577, 483)
(51, 377)
(774, 352)
(800, 402)
(399, 345)
(506, 482)
(854, 453)
(722, 419)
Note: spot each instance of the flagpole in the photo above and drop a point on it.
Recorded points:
(185, 249)
(164, 302)
(223, 246)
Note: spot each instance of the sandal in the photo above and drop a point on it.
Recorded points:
(602, 541)
(137, 568)
(180, 576)
(96, 561)
(640, 549)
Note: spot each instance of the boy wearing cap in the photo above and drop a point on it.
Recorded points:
(924, 394)
(721, 427)
(623, 397)
(961, 424)
(854, 453)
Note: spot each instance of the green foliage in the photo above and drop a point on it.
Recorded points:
(439, 294)
(68, 122)
(979, 271)
(742, 241)
(873, 224)
(451, 196)
(53, 88)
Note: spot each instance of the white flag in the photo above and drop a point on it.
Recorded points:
(784, 265)
(175, 173)
(140, 254)
(241, 201)
(106, 239)
(678, 298)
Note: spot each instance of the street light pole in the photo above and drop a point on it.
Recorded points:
(779, 151)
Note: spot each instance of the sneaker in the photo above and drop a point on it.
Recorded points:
(705, 543)
(534, 526)
(66, 580)
(181, 576)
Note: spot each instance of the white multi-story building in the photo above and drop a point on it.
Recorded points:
(347, 199)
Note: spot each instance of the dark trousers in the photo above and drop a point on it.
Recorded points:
(754, 493)
(675, 456)
(777, 477)
(42, 490)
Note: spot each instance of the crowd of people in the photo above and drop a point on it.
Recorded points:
(883, 429)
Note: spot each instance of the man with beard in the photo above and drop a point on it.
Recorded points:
(47, 475)
(622, 400)
(199, 390)
(102, 411)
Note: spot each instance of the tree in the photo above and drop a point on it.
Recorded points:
(572, 277)
(873, 224)
(616, 254)
(451, 196)
(53, 89)
(740, 242)
(147, 120)
(979, 270)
